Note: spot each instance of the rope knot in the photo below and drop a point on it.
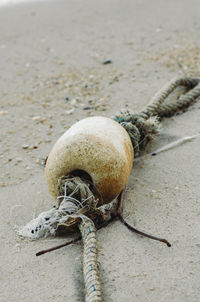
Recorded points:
(140, 130)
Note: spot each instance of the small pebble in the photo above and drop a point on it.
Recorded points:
(69, 112)
(88, 108)
(36, 118)
(42, 274)
(107, 62)
(73, 102)
(19, 160)
(25, 147)
(3, 112)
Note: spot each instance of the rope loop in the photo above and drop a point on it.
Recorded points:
(177, 95)
(179, 101)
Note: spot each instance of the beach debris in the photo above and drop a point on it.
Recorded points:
(170, 146)
(3, 112)
(35, 147)
(25, 147)
(106, 62)
(88, 108)
(174, 144)
(70, 111)
(73, 102)
(89, 166)
(36, 118)
(67, 99)
(18, 160)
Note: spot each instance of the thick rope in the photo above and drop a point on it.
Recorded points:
(177, 95)
(90, 269)
(157, 106)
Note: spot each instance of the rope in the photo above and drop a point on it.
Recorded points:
(157, 106)
(177, 95)
(90, 269)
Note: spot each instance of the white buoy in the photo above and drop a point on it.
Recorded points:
(98, 146)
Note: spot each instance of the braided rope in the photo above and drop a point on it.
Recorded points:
(90, 268)
(177, 95)
(156, 107)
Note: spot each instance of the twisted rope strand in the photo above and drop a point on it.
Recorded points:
(90, 269)
(156, 106)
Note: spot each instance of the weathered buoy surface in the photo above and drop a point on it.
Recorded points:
(98, 146)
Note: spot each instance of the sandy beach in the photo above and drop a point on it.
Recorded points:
(52, 75)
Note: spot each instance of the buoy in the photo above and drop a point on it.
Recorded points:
(96, 146)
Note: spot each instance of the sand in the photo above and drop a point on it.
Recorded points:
(51, 56)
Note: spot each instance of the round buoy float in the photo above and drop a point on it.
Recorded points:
(96, 146)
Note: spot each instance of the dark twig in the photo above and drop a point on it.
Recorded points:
(142, 233)
(58, 246)
(121, 198)
(132, 229)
